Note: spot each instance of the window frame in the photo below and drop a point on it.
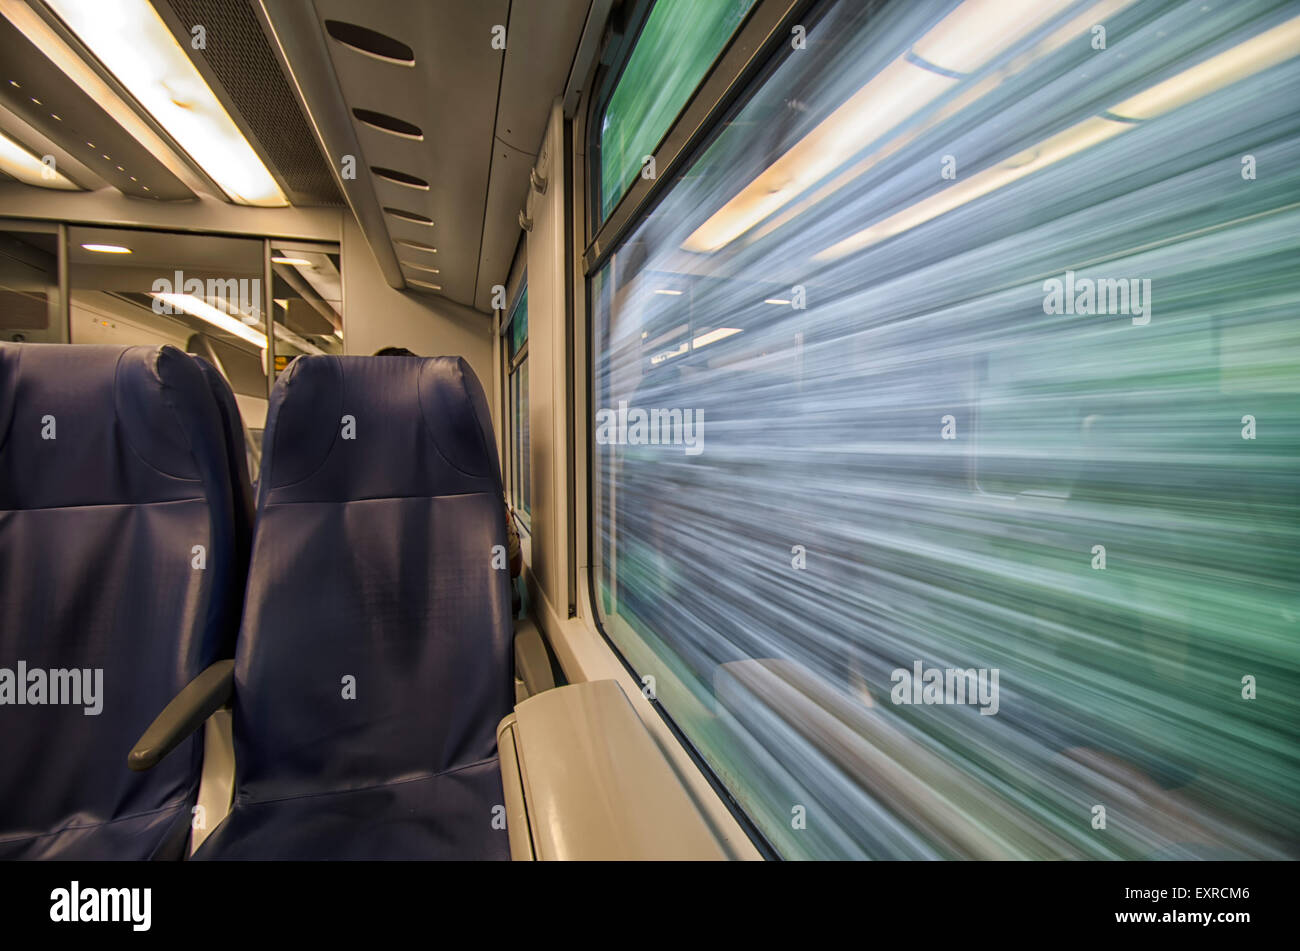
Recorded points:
(510, 369)
(765, 29)
(753, 50)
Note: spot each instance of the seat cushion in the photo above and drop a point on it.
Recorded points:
(447, 816)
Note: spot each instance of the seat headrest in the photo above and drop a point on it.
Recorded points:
(336, 426)
(94, 425)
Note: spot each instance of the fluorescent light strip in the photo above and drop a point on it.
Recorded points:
(667, 291)
(42, 35)
(107, 248)
(1255, 55)
(204, 311)
(30, 170)
(969, 37)
(296, 262)
(132, 41)
(903, 137)
(713, 336)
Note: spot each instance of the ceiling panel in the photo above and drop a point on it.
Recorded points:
(450, 92)
(41, 94)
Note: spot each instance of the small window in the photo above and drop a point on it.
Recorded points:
(679, 42)
(516, 334)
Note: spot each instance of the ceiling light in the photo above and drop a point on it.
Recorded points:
(703, 340)
(1254, 55)
(204, 311)
(107, 248)
(961, 43)
(670, 293)
(132, 41)
(296, 262)
(26, 167)
(659, 358)
(775, 300)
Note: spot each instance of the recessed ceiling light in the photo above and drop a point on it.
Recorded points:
(133, 42)
(296, 262)
(107, 248)
(775, 300)
(57, 118)
(15, 83)
(35, 100)
(668, 291)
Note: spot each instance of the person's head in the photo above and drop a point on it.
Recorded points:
(394, 352)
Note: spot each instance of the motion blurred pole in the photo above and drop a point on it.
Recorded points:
(268, 318)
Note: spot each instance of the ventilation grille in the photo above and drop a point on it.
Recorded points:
(241, 58)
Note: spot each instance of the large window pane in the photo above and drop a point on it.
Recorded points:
(676, 47)
(974, 348)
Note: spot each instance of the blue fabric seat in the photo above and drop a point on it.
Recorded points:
(374, 660)
(118, 555)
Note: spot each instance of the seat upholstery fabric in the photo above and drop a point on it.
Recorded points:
(374, 660)
(116, 554)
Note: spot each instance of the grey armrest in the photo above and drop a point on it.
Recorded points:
(532, 662)
(203, 696)
(583, 779)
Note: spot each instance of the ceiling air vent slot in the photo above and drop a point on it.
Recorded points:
(400, 178)
(408, 216)
(370, 43)
(419, 267)
(390, 124)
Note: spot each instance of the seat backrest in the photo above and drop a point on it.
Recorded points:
(117, 587)
(375, 644)
(241, 488)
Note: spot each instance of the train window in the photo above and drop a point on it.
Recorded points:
(946, 434)
(676, 46)
(521, 498)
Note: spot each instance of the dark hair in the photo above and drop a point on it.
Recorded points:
(393, 352)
